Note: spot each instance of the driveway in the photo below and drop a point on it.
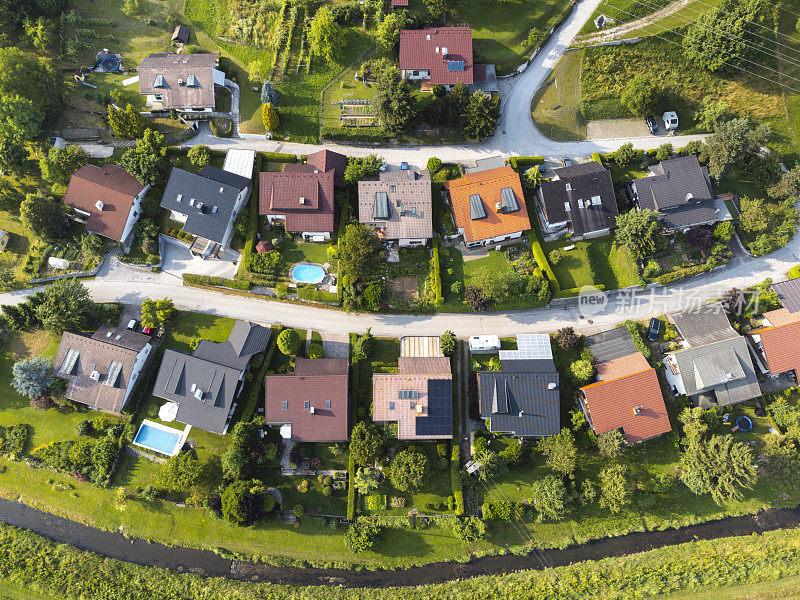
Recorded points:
(176, 259)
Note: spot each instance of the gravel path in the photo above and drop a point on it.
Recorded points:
(613, 33)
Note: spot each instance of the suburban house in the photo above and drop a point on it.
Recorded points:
(5, 237)
(101, 371)
(312, 404)
(488, 206)
(579, 200)
(302, 201)
(321, 162)
(714, 366)
(205, 384)
(182, 82)
(108, 200)
(399, 4)
(207, 203)
(626, 395)
(398, 205)
(774, 345)
(679, 189)
(523, 399)
(438, 55)
(421, 346)
(417, 400)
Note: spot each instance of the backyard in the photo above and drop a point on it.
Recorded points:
(593, 262)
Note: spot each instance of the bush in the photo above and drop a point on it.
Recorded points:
(315, 295)
(362, 535)
(279, 157)
(314, 350)
(327, 491)
(221, 127)
(517, 162)
(235, 284)
(435, 275)
(541, 260)
(434, 165)
(84, 427)
(555, 257)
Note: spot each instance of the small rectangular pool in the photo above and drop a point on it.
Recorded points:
(163, 439)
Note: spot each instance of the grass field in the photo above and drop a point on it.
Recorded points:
(556, 108)
(622, 11)
(680, 18)
(596, 261)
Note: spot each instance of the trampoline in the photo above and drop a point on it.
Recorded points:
(109, 64)
(744, 423)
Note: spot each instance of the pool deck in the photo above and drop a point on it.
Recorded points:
(182, 435)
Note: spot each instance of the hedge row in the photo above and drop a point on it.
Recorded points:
(636, 335)
(215, 281)
(541, 260)
(572, 292)
(674, 276)
(279, 157)
(435, 276)
(318, 295)
(455, 478)
(794, 272)
(525, 161)
(351, 463)
(354, 134)
(252, 223)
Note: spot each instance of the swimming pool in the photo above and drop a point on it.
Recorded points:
(308, 273)
(155, 436)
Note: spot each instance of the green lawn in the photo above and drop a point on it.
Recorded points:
(677, 20)
(592, 262)
(622, 11)
(294, 251)
(495, 261)
(556, 107)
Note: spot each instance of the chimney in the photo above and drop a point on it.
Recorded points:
(497, 206)
(311, 410)
(551, 386)
(180, 81)
(95, 375)
(637, 410)
(689, 196)
(199, 207)
(99, 205)
(444, 53)
(521, 414)
(302, 200)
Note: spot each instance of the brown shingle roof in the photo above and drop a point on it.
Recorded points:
(621, 367)
(424, 365)
(781, 346)
(410, 204)
(317, 382)
(422, 49)
(488, 185)
(111, 185)
(177, 67)
(325, 160)
(280, 194)
(613, 403)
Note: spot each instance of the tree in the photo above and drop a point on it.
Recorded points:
(664, 152)
(359, 249)
(366, 443)
(13, 156)
(10, 197)
(60, 163)
(625, 155)
(270, 117)
(638, 230)
(700, 237)
(145, 161)
(482, 114)
(724, 38)
(259, 69)
(448, 343)
(719, 466)
(408, 470)
(157, 313)
(534, 39)
(199, 155)
(567, 339)
(65, 306)
(93, 245)
(436, 8)
(580, 371)
(20, 119)
(127, 122)
(733, 143)
(549, 496)
(43, 216)
(560, 452)
(35, 79)
(611, 443)
(366, 480)
(359, 168)
(362, 535)
(476, 299)
(457, 103)
(33, 377)
(269, 95)
(388, 35)
(238, 459)
(238, 503)
(789, 184)
(394, 101)
(434, 165)
(131, 7)
(492, 464)
(180, 473)
(641, 94)
(469, 529)
(325, 36)
(712, 114)
(615, 493)
(289, 342)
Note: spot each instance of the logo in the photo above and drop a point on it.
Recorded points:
(591, 301)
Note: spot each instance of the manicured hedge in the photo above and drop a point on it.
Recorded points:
(524, 161)
(252, 223)
(794, 272)
(318, 295)
(572, 292)
(278, 157)
(674, 276)
(455, 478)
(596, 157)
(541, 260)
(257, 390)
(435, 276)
(215, 281)
(354, 134)
(351, 463)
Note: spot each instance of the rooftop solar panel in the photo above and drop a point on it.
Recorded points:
(508, 200)
(476, 208)
(530, 346)
(439, 420)
(455, 65)
(380, 210)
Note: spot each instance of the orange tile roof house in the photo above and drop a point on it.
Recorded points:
(442, 55)
(488, 206)
(109, 199)
(627, 395)
(312, 404)
(776, 346)
(418, 398)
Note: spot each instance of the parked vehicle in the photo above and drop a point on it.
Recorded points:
(567, 162)
(650, 121)
(404, 166)
(147, 331)
(670, 120)
(132, 325)
(654, 330)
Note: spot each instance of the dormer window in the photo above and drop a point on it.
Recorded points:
(569, 186)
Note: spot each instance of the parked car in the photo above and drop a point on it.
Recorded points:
(654, 329)
(650, 121)
(567, 162)
(404, 166)
(670, 120)
(132, 325)
(147, 331)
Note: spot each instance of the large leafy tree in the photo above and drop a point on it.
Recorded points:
(789, 184)
(65, 305)
(719, 466)
(127, 122)
(60, 163)
(359, 249)
(560, 451)
(238, 460)
(33, 78)
(33, 377)
(43, 216)
(549, 496)
(482, 114)
(146, 161)
(388, 35)
(156, 313)
(641, 94)
(408, 470)
(733, 144)
(359, 168)
(366, 443)
(639, 231)
(12, 13)
(20, 119)
(615, 491)
(611, 443)
(394, 101)
(325, 36)
(289, 342)
(13, 156)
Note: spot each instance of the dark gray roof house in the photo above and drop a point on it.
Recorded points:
(206, 383)
(715, 365)
(611, 345)
(789, 294)
(679, 189)
(523, 399)
(580, 199)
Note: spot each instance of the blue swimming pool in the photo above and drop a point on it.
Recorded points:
(161, 439)
(308, 273)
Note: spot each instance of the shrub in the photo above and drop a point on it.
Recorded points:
(314, 350)
(221, 127)
(434, 165)
(362, 535)
(518, 162)
(289, 342)
(192, 278)
(84, 427)
(448, 343)
(435, 276)
(298, 510)
(280, 157)
(327, 490)
(555, 257)
(626, 155)
(567, 339)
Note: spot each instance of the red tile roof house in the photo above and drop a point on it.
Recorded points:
(108, 199)
(301, 201)
(312, 404)
(441, 55)
(775, 347)
(321, 162)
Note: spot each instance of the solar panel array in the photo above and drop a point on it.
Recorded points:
(439, 420)
(530, 346)
(476, 208)
(407, 394)
(508, 200)
(455, 65)
(380, 209)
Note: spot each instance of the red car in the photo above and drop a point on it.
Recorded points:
(147, 331)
